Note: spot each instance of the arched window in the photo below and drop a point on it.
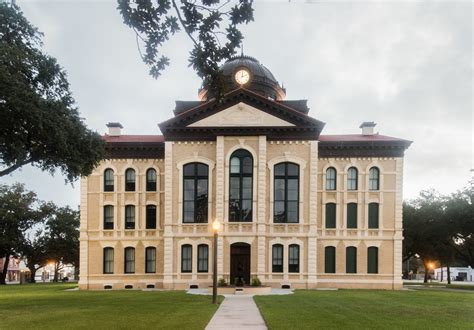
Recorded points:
(294, 258)
(330, 215)
(330, 259)
(129, 264)
(331, 178)
(352, 178)
(130, 179)
(150, 217)
(372, 260)
(186, 258)
(351, 260)
(108, 260)
(129, 217)
(373, 215)
(286, 193)
(240, 188)
(277, 258)
(150, 260)
(108, 217)
(352, 215)
(203, 258)
(374, 178)
(151, 179)
(109, 180)
(195, 192)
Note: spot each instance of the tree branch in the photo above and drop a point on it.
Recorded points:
(183, 24)
(14, 167)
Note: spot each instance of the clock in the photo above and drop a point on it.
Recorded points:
(242, 76)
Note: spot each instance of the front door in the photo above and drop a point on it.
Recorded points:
(240, 263)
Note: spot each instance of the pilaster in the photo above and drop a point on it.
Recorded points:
(220, 194)
(313, 213)
(261, 204)
(83, 238)
(168, 218)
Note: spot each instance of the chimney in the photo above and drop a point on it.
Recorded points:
(367, 127)
(115, 129)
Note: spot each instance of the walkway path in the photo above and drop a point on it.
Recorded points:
(237, 312)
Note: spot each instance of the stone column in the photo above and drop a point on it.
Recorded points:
(84, 239)
(261, 204)
(313, 212)
(220, 194)
(398, 236)
(168, 218)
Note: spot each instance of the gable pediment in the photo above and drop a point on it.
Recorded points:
(241, 115)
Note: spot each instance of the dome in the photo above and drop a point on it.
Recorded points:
(260, 80)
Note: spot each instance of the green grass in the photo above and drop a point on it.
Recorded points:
(368, 309)
(459, 286)
(44, 306)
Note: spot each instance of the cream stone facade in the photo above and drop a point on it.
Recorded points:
(285, 235)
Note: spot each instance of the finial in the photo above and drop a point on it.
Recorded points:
(242, 50)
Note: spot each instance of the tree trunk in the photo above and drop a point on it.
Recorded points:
(441, 274)
(449, 273)
(3, 274)
(427, 269)
(32, 275)
(56, 272)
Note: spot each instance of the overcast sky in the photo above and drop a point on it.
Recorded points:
(405, 65)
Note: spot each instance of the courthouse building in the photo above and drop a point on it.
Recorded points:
(297, 208)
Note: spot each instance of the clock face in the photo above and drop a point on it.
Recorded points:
(242, 77)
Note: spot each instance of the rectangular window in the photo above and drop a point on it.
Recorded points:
(108, 260)
(186, 259)
(150, 217)
(108, 217)
(277, 258)
(195, 193)
(330, 260)
(129, 260)
(373, 215)
(129, 217)
(203, 258)
(330, 215)
(352, 215)
(351, 260)
(150, 260)
(294, 259)
(372, 260)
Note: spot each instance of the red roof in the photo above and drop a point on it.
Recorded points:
(356, 137)
(134, 138)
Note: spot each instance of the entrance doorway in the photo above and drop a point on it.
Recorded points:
(240, 263)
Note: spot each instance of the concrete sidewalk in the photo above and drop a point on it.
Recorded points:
(237, 312)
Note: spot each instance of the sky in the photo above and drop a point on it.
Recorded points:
(407, 65)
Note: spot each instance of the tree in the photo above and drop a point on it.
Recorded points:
(33, 251)
(62, 239)
(19, 211)
(155, 22)
(40, 123)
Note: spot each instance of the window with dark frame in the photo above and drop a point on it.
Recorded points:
(151, 179)
(129, 264)
(129, 217)
(130, 179)
(150, 217)
(294, 258)
(108, 217)
(374, 178)
(108, 260)
(331, 179)
(330, 215)
(150, 260)
(109, 180)
(195, 193)
(373, 215)
(352, 215)
(186, 258)
(203, 258)
(240, 186)
(351, 260)
(330, 259)
(373, 260)
(286, 193)
(277, 258)
(352, 180)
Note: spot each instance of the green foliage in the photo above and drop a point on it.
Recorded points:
(222, 282)
(40, 124)
(255, 281)
(155, 22)
(33, 250)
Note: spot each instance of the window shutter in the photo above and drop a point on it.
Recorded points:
(373, 215)
(330, 259)
(331, 215)
(352, 215)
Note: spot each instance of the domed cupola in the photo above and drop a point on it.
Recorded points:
(248, 72)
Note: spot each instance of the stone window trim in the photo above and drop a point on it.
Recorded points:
(105, 166)
(286, 244)
(194, 262)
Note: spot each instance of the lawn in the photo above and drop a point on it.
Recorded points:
(46, 306)
(364, 309)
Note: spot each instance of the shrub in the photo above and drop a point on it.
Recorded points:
(255, 281)
(222, 282)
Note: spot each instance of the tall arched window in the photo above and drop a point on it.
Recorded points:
(331, 180)
(195, 192)
(109, 180)
(130, 179)
(129, 217)
(240, 187)
(203, 258)
(108, 260)
(151, 179)
(330, 259)
(373, 215)
(150, 259)
(150, 217)
(352, 178)
(330, 215)
(129, 262)
(108, 217)
(286, 193)
(372, 260)
(351, 260)
(186, 258)
(374, 178)
(294, 258)
(277, 258)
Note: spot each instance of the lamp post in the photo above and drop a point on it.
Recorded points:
(215, 228)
